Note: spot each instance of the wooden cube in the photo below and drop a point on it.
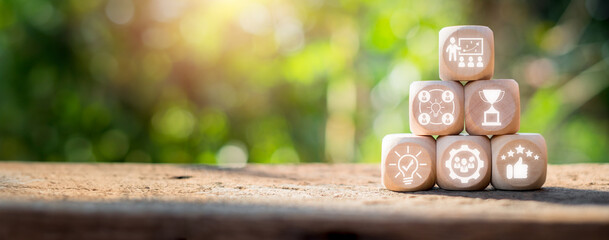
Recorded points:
(408, 162)
(519, 161)
(466, 53)
(492, 107)
(436, 107)
(463, 162)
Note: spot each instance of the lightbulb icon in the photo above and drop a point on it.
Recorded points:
(408, 166)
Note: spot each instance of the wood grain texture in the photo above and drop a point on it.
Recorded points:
(524, 151)
(463, 162)
(472, 56)
(408, 162)
(311, 201)
(507, 107)
(437, 101)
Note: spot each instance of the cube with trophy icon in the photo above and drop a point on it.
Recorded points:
(492, 107)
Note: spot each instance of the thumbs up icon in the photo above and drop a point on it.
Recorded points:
(518, 170)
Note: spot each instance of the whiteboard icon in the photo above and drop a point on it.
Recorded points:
(471, 46)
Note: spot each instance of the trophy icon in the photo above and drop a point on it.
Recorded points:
(491, 96)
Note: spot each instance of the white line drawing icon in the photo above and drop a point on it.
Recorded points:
(520, 169)
(424, 119)
(491, 96)
(408, 166)
(464, 163)
(468, 47)
(452, 50)
(448, 118)
(471, 46)
(436, 107)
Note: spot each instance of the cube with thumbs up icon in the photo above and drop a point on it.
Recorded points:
(519, 161)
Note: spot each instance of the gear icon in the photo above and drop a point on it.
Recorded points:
(463, 164)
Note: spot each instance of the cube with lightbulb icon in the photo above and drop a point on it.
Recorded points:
(436, 107)
(408, 162)
(519, 161)
(463, 162)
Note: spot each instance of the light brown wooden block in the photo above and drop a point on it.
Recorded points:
(408, 162)
(436, 107)
(520, 161)
(492, 107)
(463, 162)
(466, 53)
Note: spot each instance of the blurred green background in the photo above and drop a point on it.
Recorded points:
(277, 81)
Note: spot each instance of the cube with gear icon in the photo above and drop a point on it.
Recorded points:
(436, 107)
(463, 162)
(467, 53)
(519, 161)
(408, 162)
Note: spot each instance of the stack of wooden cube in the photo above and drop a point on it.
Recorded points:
(491, 152)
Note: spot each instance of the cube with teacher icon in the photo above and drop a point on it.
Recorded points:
(466, 53)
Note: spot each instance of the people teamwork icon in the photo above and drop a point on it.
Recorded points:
(464, 163)
(436, 107)
(466, 47)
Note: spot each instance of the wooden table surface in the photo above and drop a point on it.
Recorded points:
(311, 201)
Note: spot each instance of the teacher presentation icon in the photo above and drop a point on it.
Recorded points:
(466, 47)
(491, 96)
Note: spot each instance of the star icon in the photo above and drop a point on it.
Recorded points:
(536, 157)
(502, 157)
(511, 153)
(529, 153)
(519, 149)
